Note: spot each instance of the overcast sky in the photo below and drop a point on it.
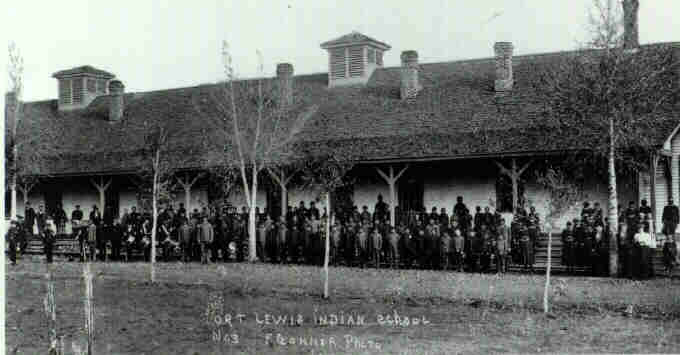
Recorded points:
(152, 45)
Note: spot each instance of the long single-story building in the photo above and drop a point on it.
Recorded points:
(434, 130)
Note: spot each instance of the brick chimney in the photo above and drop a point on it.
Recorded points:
(117, 105)
(409, 75)
(284, 74)
(630, 24)
(503, 56)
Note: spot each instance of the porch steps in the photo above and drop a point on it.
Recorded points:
(541, 258)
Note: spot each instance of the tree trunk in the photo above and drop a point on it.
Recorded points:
(13, 184)
(51, 313)
(252, 252)
(89, 308)
(13, 203)
(515, 188)
(327, 243)
(102, 200)
(392, 203)
(154, 226)
(284, 200)
(187, 199)
(546, 289)
(613, 203)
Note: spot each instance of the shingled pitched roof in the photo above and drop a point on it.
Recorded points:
(353, 38)
(457, 114)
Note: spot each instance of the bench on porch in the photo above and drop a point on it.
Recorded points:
(63, 245)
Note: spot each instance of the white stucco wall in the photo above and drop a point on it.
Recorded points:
(35, 198)
(295, 195)
(367, 194)
(84, 195)
(237, 198)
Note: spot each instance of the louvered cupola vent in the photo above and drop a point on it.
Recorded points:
(79, 86)
(352, 59)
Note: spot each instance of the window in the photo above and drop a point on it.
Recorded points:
(77, 90)
(379, 58)
(504, 193)
(91, 83)
(65, 91)
(370, 55)
(101, 86)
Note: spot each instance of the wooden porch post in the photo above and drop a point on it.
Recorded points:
(391, 180)
(186, 183)
(514, 174)
(282, 179)
(101, 186)
(654, 165)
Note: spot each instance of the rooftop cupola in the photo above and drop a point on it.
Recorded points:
(352, 58)
(80, 85)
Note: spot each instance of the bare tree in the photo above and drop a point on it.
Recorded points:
(259, 126)
(159, 161)
(327, 173)
(28, 143)
(563, 195)
(610, 96)
(15, 71)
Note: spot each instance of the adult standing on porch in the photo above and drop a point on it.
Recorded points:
(381, 210)
(460, 210)
(29, 217)
(670, 217)
(60, 219)
(527, 249)
(41, 219)
(95, 216)
(77, 214)
(533, 225)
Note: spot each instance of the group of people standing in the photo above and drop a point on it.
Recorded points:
(585, 241)
(637, 243)
(429, 240)
(425, 240)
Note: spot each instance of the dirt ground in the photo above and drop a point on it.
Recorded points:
(267, 309)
